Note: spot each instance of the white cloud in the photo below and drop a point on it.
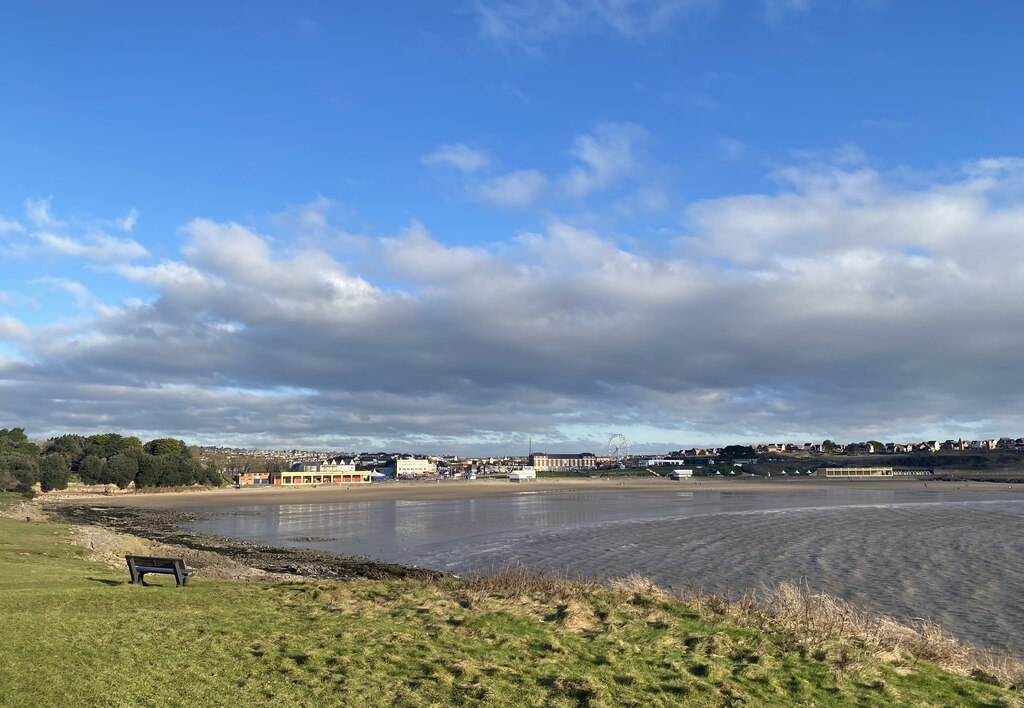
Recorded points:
(37, 212)
(83, 297)
(128, 221)
(846, 300)
(11, 328)
(96, 246)
(459, 156)
(10, 226)
(167, 275)
(608, 154)
(514, 190)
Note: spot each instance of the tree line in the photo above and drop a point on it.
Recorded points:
(107, 458)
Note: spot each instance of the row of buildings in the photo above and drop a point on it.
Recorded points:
(878, 448)
(334, 470)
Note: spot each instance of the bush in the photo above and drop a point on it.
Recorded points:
(25, 490)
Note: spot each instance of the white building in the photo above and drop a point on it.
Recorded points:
(680, 474)
(659, 462)
(522, 474)
(411, 467)
(338, 464)
(575, 461)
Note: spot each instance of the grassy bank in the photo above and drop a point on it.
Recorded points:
(76, 633)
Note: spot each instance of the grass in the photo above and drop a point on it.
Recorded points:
(76, 633)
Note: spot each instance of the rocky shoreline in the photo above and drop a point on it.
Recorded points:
(164, 526)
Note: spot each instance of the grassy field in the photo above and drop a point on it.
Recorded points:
(76, 633)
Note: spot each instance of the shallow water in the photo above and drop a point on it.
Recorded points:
(955, 557)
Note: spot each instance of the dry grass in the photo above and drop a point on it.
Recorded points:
(517, 580)
(823, 625)
(813, 623)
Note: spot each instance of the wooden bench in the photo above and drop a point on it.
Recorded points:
(138, 566)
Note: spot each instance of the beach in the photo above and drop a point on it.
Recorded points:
(424, 490)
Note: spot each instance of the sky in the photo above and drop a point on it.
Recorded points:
(459, 227)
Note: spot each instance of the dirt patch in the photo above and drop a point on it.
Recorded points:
(29, 510)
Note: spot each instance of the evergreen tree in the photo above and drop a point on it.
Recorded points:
(54, 472)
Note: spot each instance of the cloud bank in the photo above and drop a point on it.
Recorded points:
(848, 303)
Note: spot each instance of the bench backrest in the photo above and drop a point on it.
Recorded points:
(152, 562)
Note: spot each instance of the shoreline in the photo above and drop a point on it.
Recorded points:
(206, 499)
(165, 527)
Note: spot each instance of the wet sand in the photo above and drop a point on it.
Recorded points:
(423, 490)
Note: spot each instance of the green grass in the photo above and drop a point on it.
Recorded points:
(75, 633)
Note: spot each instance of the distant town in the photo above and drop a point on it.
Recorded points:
(126, 462)
(255, 467)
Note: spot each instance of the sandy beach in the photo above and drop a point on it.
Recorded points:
(466, 489)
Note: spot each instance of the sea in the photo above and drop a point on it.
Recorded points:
(956, 557)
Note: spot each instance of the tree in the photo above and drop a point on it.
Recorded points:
(70, 447)
(15, 440)
(212, 475)
(54, 472)
(7, 480)
(122, 468)
(106, 445)
(827, 447)
(23, 468)
(738, 452)
(157, 471)
(90, 469)
(166, 446)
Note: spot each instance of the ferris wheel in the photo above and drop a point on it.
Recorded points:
(618, 447)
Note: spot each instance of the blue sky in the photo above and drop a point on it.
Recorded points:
(565, 184)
